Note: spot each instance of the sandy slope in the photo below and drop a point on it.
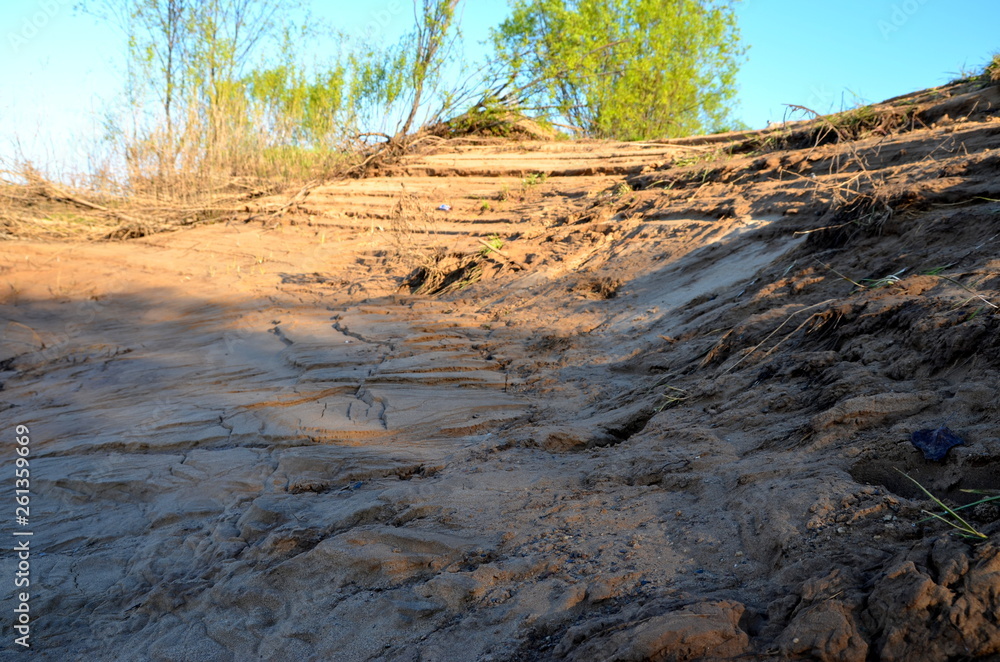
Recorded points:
(663, 423)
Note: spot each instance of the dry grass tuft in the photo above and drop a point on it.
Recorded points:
(993, 69)
(34, 207)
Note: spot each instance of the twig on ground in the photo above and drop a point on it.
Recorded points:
(780, 326)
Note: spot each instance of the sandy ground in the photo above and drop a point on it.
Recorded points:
(665, 420)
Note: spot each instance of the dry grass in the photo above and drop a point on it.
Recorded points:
(149, 198)
(35, 207)
(410, 224)
(157, 181)
(993, 69)
(414, 245)
(863, 200)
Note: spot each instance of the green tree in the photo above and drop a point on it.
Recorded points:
(626, 69)
(223, 87)
(187, 110)
(430, 45)
(296, 105)
(401, 82)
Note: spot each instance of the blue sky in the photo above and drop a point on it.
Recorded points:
(63, 67)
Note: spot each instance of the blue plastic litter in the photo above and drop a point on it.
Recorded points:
(935, 444)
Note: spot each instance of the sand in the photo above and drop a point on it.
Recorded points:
(665, 420)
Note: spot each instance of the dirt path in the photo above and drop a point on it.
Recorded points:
(649, 405)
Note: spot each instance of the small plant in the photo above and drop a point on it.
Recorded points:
(672, 397)
(971, 316)
(493, 245)
(950, 515)
(964, 75)
(856, 121)
(534, 179)
(770, 143)
(504, 194)
(885, 281)
(686, 161)
(936, 271)
(702, 154)
(622, 189)
(484, 206)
